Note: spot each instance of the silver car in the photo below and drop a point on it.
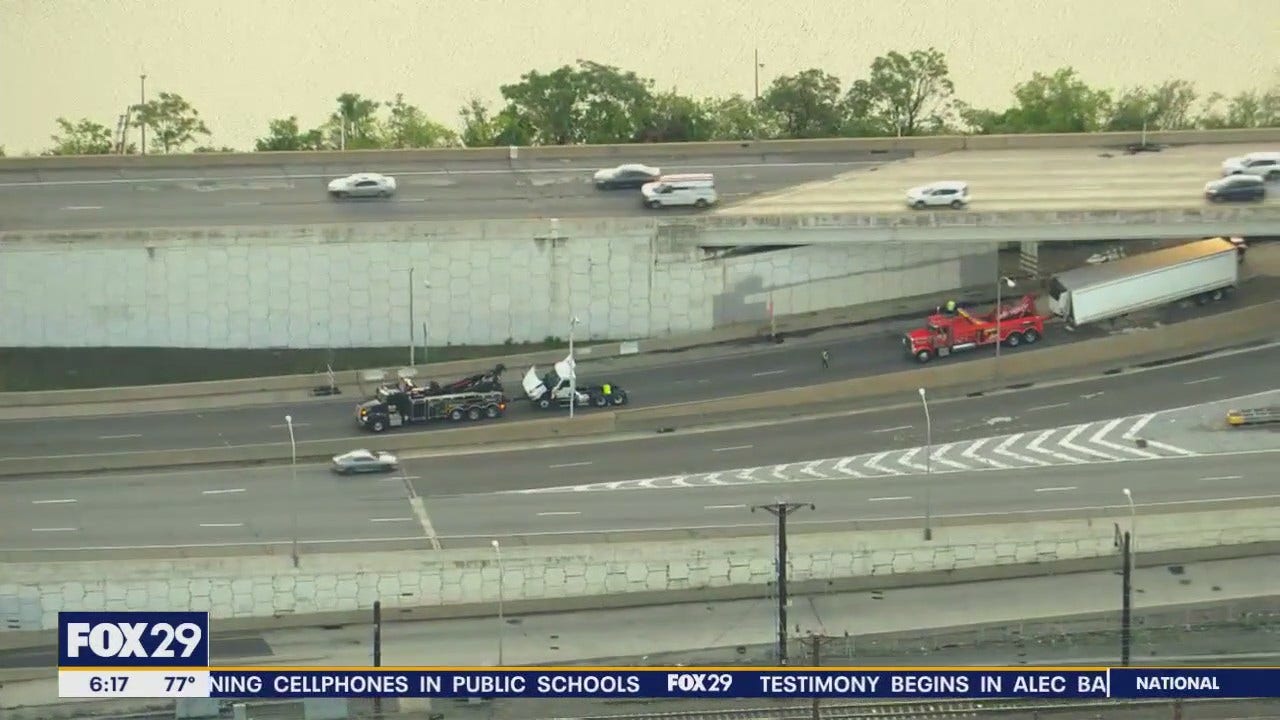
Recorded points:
(364, 461)
(625, 176)
(362, 185)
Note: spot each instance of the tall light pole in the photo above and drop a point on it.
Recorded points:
(573, 363)
(757, 67)
(502, 621)
(1001, 282)
(413, 323)
(142, 125)
(1133, 514)
(293, 487)
(928, 466)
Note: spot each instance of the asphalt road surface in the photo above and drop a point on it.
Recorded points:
(679, 377)
(466, 496)
(78, 199)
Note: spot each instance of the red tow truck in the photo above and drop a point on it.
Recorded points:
(945, 333)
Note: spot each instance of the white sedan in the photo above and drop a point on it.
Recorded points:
(1265, 165)
(364, 461)
(362, 185)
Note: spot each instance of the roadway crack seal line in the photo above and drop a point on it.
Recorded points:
(419, 508)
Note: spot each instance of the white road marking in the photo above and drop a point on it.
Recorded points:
(227, 491)
(1047, 407)
(63, 529)
(1057, 489)
(409, 477)
(119, 437)
(1098, 438)
(724, 507)
(892, 429)
(558, 512)
(843, 468)
(768, 372)
(1068, 442)
(569, 465)
(874, 464)
(895, 498)
(411, 200)
(243, 204)
(285, 425)
(938, 457)
(221, 525)
(404, 519)
(1223, 477)
(1203, 380)
(1034, 446)
(83, 207)
(971, 453)
(60, 501)
(906, 458)
(809, 469)
(1132, 434)
(1003, 449)
(732, 447)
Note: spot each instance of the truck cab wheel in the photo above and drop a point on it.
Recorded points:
(378, 426)
(473, 414)
(544, 403)
(924, 356)
(1031, 336)
(1014, 340)
(455, 415)
(619, 399)
(600, 400)
(491, 411)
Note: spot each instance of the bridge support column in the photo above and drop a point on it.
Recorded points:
(1029, 258)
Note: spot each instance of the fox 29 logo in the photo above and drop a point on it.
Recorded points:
(133, 639)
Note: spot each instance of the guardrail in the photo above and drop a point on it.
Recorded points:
(1254, 416)
(392, 159)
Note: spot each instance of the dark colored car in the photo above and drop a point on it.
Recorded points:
(625, 176)
(1236, 187)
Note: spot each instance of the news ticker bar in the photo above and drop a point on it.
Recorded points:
(662, 683)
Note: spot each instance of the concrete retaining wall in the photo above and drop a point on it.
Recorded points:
(32, 594)
(657, 151)
(348, 286)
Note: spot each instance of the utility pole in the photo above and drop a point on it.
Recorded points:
(1126, 606)
(142, 82)
(781, 510)
(815, 660)
(377, 646)
(757, 67)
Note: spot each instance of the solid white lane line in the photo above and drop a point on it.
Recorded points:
(768, 372)
(892, 429)
(404, 519)
(242, 204)
(1203, 380)
(1047, 407)
(227, 491)
(221, 525)
(410, 477)
(724, 507)
(569, 465)
(285, 425)
(53, 529)
(1223, 477)
(558, 512)
(119, 437)
(1064, 488)
(889, 499)
(83, 207)
(732, 447)
(60, 501)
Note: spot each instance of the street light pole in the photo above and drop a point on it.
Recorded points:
(502, 622)
(1133, 514)
(781, 510)
(1126, 582)
(928, 466)
(1000, 283)
(757, 69)
(293, 487)
(413, 343)
(142, 125)
(573, 367)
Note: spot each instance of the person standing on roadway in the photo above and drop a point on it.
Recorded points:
(826, 359)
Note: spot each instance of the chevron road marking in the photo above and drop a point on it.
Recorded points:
(1034, 446)
(843, 467)
(1132, 434)
(1003, 449)
(808, 469)
(874, 464)
(1098, 438)
(971, 453)
(1068, 442)
(940, 452)
(906, 458)
(779, 472)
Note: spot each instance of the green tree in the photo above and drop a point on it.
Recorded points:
(738, 118)
(1057, 103)
(904, 94)
(678, 118)
(808, 104)
(213, 149)
(1167, 106)
(1245, 110)
(284, 134)
(171, 122)
(83, 137)
(354, 125)
(408, 127)
(586, 103)
(478, 126)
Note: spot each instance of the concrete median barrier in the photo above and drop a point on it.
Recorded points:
(317, 450)
(269, 592)
(392, 159)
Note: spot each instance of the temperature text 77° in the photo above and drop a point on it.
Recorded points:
(175, 683)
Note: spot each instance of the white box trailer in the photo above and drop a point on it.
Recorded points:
(1204, 270)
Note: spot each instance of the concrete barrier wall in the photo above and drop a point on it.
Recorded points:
(546, 578)
(657, 151)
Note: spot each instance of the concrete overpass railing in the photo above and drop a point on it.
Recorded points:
(657, 151)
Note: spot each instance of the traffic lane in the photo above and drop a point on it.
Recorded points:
(762, 444)
(205, 508)
(222, 648)
(566, 192)
(1062, 489)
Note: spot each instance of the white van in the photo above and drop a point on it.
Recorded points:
(697, 189)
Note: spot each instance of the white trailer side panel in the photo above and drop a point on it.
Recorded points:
(1154, 288)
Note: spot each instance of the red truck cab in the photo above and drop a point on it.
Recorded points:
(945, 333)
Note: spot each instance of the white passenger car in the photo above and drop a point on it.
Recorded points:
(946, 193)
(362, 185)
(696, 189)
(1263, 164)
(364, 461)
